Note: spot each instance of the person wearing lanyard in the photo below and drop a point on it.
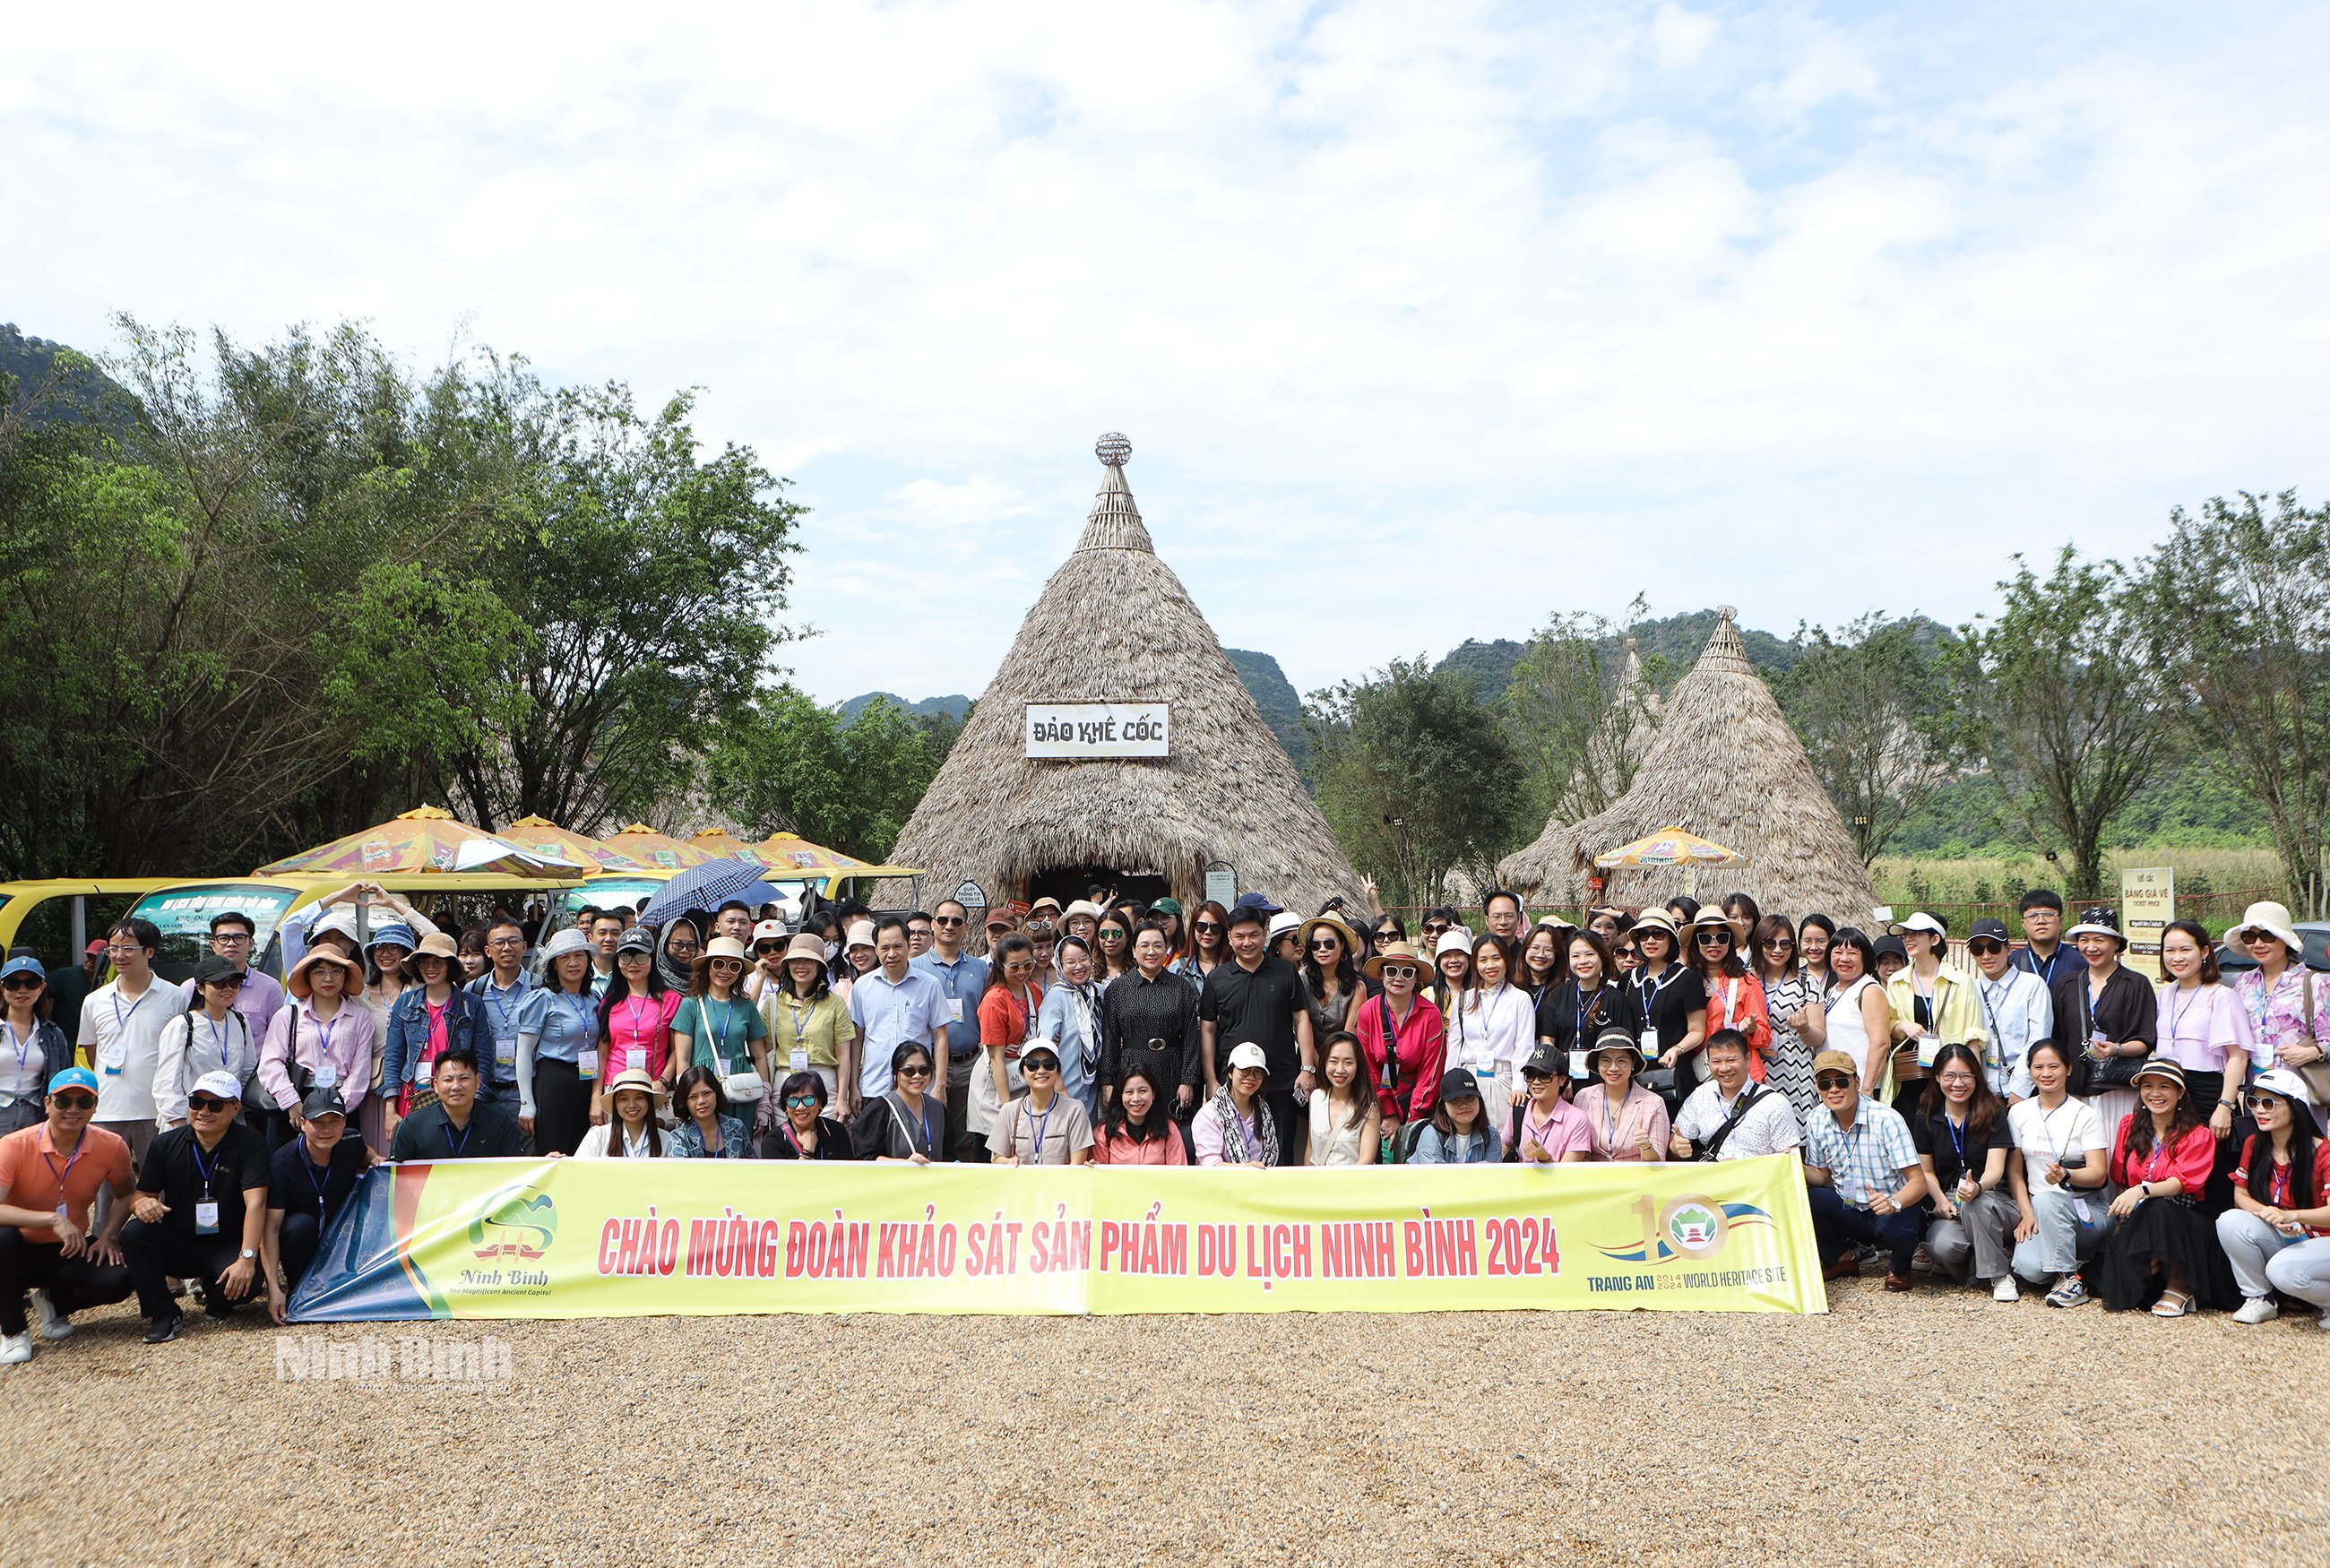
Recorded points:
(894, 1005)
(200, 1210)
(2042, 913)
(2057, 1181)
(1628, 1121)
(431, 1014)
(49, 1175)
(1492, 1030)
(1861, 1176)
(905, 1124)
(963, 981)
(715, 1027)
(558, 1047)
(1460, 1132)
(1006, 1021)
(1735, 997)
(457, 1125)
(121, 1027)
(2277, 1235)
(1552, 1130)
(1960, 1129)
(2017, 1010)
(635, 1015)
(32, 1049)
(322, 1039)
(210, 1036)
(1666, 1003)
(707, 1131)
(1407, 1044)
(630, 1130)
(1931, 1005)
(233, 937)
(1044, 1125)
(801, 1129)
(2205, 1030)
(810, 1024)
(2162, 1251)
(309, 1181)
(502, 988)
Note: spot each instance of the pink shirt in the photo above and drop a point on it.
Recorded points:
(1108, 1150)
(1566, 1132)
(1615, 1137)
(346, 1039)
(2199, 1025)
(638, 1035)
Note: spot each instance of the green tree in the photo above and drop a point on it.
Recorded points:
(2055, 695)
(1578, 718)
(789, 765)
(2234, 610)
(1417, 776)
(1872, 708)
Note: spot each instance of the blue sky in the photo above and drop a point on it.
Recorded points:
(1425, 321)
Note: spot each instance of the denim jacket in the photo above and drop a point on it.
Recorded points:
(465, 1025)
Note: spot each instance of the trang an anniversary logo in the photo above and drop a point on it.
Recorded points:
(1687, 1229)
(1069, 730)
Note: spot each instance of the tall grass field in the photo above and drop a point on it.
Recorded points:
(2211, 885)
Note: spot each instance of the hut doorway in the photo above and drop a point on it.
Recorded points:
(1070, 882)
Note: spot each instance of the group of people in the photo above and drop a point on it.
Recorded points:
(2037, 1113)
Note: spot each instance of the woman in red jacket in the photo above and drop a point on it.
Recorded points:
(2161, 1245)
(1405, 1040)
(1734, 998)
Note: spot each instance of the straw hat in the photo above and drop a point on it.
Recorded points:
(633, 1077)
(2274, 921)
(1334, 923)
(1396, 953)
(299, 983)
(727, 948)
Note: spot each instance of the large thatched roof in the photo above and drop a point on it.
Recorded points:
(1114, 624)
(1724, 764)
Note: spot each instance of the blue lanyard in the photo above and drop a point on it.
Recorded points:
(218, 1037)
(501, 1010)
(195, 1148)
(70, 1160)
(458, 1147)
(313, 1180)
(1957, 1143)
(719, 1041)
(2047, 974)
(24, 1048)
(582, 1016)
(120, 1018)
(2176, 1013)
(1652, 1001)
(1041, 1125)
(1584, 1011)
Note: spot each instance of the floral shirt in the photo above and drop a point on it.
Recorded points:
(2279, 1015)
(685, 1141)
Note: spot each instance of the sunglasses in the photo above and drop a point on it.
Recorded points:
(74, 1101)
(1027, 1066)
(738, 964)
(949, 920)
(804, 1101)
(1206, 928)
(1714, 939)
(1438, 928)
(1831, 1081)
(1318, 942)
(204, 1102)
(23, 983)
(232, 982)
(1399, 971)
(1985, 949)
(912, 1072)
(766, 949)
(1778, 945)
(2256, 1102)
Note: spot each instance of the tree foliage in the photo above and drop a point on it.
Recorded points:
(1578, 720)
(1871, 706)
(787, 765)
(1417, 776)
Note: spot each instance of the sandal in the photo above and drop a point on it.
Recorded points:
(2173, 1304)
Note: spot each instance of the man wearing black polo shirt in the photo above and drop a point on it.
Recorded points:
(459, 1125)
(307, 1181)
(1259, 998)
(201, 1206)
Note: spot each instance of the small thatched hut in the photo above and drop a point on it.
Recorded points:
(1115, 626)
(1723, 764)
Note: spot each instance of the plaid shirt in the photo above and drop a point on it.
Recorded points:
(1865, 1161)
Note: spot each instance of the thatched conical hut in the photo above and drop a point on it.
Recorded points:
(1115, 626)
(1724, 764)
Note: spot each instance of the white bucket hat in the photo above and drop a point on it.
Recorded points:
(2273, 919)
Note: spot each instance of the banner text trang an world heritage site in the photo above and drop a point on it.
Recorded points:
(610, 1238)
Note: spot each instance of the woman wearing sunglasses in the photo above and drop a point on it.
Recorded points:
(1734, 998)
(1792, 1003)
(2277, 1235)
(907, 1126)
(34, 1048)
(1332, 991)
(1666, 1002)
(1043, 1126)
(2288, 1006)
(717, 1029)
(1406, 1040)
(801, 1129)
(1209, 943)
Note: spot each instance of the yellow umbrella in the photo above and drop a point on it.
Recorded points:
(656, 851)
(789, 856)
(1671, 847)
(423, 839)
(543, 837)
(722, 845)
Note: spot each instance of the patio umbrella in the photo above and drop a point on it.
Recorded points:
(423, 839)
(721, 843)
(707, 886)
(656, 851)
(1671, 847)
(546, 837)
(789, 854)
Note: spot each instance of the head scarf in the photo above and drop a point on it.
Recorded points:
(676, 975)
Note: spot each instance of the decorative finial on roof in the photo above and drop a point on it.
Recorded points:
(1727, 612)
(1112, 450)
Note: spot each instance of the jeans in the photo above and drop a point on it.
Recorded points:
(2264, 1261)
(1839, 1226)
(1984, 1228)
(72, 1283)
(2064, 1238)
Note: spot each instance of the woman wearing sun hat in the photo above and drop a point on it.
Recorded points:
(630, 1130)
(1735, 997)
(809, 1029)
(1404, 1038)
(1629, 1122)
(1666, 1003)
(557, 1039)
(2160, 1165)
(2277, 1235)
(323, 1037)
(1329, 963)
(2288, 1007)
(2106, 1017)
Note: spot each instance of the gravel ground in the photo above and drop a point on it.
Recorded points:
(1937, 1428)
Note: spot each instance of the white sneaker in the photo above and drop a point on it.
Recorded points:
(2005, 1290)
(16, 1348)
(2257, 1309)
(54, 1325)
(2322, 1322)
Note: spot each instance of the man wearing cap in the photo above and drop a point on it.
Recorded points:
(458, 1124)
(2042, 913)
(1864, 1184)
(200, 1212)
(2017, 1011)
(893, 1003)
(234, 937)
(502, 991)
(1260, 998)
(50, 1176)
(307, 1181)
(1729, 1117)
(121, 1035)
(963, 980)
(210, 1036)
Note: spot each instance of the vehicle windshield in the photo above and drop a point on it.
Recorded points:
(183, 915)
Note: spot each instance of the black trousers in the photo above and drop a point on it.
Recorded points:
(1293, 1131)
(561, 1106)
(298, 1239)
(72, 1283)
(156, 1254)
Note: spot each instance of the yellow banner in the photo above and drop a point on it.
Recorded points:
(603, 1238)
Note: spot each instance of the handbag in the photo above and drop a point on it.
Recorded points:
(2114, 1071)
(744, 1086)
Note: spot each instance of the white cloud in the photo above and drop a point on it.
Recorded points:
(1425, 321)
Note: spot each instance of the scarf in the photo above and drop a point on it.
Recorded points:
(1233, 1145)
(676, 975)
(1084, 1000)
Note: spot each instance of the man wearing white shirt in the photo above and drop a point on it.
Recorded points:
(2016, 1006)
(1769, 1126)
(121, 1033)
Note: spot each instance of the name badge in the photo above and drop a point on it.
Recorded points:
(1650, 1042)
(954, 1009)
(506, 1053)
(1577, 1063)
(2079, 1207)
(327, 1075)
(1929, 1048)
(586, 1065)
(63, 1218)
(114, 1057)
(207, 1219)
(799, 1059)
(640, 1059)
(421, 1072)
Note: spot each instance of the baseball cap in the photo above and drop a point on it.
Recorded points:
(73, 1078)
(323, 1102)
(24, 964)
(1257, 901)
(1249, 1055)
(223, 1085)
(1835, 1061)
(214, 969)
(1457, 1082)
(1990, 930)
(637, 939)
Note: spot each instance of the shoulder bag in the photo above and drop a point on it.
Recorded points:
(2316, 1073)
(1747, 1099)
